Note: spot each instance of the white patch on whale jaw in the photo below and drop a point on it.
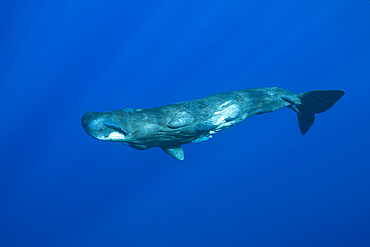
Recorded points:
(115, 137)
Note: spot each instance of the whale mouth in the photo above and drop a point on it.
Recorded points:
(116, 127)
(118, 134)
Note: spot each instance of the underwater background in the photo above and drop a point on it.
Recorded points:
(260, 183)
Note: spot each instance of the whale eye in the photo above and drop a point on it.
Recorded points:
(115, 127)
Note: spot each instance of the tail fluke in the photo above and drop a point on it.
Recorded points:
(315, 102)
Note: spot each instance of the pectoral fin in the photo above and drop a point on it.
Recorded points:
(177, 152)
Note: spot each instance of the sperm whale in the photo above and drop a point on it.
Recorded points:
(173, 125)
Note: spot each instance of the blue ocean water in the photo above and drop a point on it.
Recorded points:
(260, 183)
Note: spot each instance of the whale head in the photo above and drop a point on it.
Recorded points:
(102, 126)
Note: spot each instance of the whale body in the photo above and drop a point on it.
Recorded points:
(171, 126)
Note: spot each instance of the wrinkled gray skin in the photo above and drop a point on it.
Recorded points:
(171, 126)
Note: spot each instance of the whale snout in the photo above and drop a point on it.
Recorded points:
(92, 122)
(86, 119)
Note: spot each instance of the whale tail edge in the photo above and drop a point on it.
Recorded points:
(314, 102)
